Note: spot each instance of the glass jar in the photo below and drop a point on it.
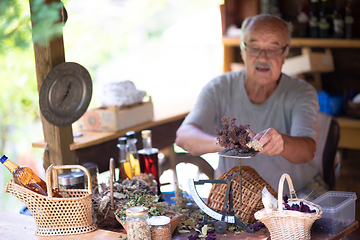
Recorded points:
(160, 228)
(94, 173)
(71, 180)
(137, 227)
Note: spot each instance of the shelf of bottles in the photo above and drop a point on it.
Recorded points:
(305, 42)
(316, 25)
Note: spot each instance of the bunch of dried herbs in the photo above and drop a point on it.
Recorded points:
(232, 136)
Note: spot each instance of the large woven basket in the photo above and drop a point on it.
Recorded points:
(58, 216)
(251, 184)
(289, 224)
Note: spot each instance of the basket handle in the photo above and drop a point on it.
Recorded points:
(52, 170)
(281, 189)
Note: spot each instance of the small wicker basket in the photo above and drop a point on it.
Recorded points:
(288, 224)
(58, 216)
(251, 187)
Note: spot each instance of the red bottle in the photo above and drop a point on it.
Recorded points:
(148, 156)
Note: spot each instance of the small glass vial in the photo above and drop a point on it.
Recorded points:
(137, 227)
(160, 228)
(71, 180)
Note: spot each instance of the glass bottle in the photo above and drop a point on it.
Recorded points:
(314, 19)
(303, 18)
(26, 177)
(125, 169)
(324, 22)
(148, 156)
(136, 223)
(133, 153)
(349, 19)
(160, 228)
(338, 22)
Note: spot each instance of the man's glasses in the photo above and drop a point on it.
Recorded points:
(270, 53)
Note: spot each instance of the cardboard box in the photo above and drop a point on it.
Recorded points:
(309, 62)
(113, 118)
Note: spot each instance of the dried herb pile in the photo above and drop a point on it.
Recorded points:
(232, 136)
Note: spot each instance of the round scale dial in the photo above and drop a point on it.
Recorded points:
(65, 94)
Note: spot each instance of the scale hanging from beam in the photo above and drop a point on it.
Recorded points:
(221, 219)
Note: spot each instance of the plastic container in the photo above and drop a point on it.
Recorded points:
(338, 212)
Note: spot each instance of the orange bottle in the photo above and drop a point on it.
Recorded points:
(27, 178)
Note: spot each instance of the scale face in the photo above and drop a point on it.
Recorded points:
(204, 207)
(65, 94)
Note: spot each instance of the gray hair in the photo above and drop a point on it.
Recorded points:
(247, 21)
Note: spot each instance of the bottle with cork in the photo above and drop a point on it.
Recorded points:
(26, 177)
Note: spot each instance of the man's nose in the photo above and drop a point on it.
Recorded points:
(261, 55)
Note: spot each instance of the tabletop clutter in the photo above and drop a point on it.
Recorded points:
(72, 201)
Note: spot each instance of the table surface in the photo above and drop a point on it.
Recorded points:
(16, 226)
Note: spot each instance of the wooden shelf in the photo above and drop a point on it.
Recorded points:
(94, 138)
(304, 42)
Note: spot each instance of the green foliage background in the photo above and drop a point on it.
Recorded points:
(98, 36)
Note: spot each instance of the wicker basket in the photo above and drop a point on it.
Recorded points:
(58, 216)
(251, 184)
(288, 224)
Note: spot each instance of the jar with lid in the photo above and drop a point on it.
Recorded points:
(160, 228)
(94, 173)
(137, 227)
(71, 180)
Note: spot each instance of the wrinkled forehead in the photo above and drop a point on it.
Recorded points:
(270, 30)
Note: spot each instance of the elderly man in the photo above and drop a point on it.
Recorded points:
(282, 110)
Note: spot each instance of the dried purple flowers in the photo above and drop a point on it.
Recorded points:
(296, 207)
(233, 136)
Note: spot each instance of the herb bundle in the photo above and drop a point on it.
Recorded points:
(233, 136)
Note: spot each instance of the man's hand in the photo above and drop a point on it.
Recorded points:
(294, 149)
(271, 140)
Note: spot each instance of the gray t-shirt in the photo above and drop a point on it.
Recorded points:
(291, 109)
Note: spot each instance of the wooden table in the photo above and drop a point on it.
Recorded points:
(16, 226)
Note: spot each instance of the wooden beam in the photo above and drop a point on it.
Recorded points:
(58, 139)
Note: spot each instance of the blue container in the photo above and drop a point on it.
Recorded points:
(331, 104)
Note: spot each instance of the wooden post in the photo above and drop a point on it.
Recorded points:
(58, 139)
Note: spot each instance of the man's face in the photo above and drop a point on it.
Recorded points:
(264, 36)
